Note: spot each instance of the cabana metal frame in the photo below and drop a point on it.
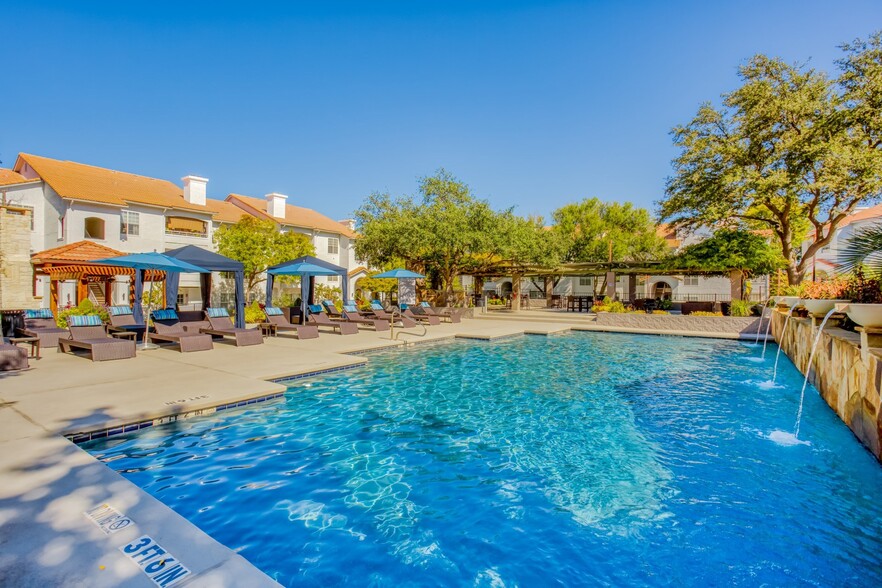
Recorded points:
(211, 261)
(307, 279)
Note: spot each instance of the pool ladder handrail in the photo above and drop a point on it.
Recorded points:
(394, 337)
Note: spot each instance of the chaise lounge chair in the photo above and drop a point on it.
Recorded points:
(351, 315)
(12, 357)
(318, 318)
(275, 316)
(123, 319)
(331, 310)
(41, 323)
(382, 313)
(220, 324)
(421, 316)
(89, 333)
(454, 315)
(169, 328)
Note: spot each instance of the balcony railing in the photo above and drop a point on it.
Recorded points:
(179, 233)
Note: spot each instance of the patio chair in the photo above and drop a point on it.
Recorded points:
(382, 313)
(168, 327)
(318, 318)
(221, 324)
(352, 315)
(89, 333)
(275, 316)
(12, 357)
(422, 316)
(331, 310)
(123, 319)
(41, 323)
(454, 315)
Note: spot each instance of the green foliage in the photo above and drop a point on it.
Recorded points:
(254, 314)
(332, 293)
(864, 250)
(84, 308)
(259, 244)
(863, 289)
(286, 299)
(705, 313)
(664, 304)
(586, 229)
(727, 250)
(740, 308)
(824, 289)
(153, 300)
(789, 150)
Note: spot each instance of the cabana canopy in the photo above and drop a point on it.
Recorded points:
(211, 261)
(307, 267)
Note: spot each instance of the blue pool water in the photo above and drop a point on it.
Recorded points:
(582, 459)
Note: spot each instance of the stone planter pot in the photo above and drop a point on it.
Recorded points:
(252, 325)
(865, 315)
(788, 301)
(821, 306)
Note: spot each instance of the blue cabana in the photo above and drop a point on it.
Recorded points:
(307, 267)
(214, 262)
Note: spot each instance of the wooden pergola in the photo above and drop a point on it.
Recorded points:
(75, 262)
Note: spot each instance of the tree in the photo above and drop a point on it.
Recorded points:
(259, 244)
(441, 229)
(727, 250)
(790, 150)
(606, 232)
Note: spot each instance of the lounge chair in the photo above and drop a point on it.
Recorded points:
(423, 317)
(41, 323)
(351, 314)
(331, 310)
(89, 333)
(275, 316)
(123, 319)
(454, 315)
(12, 357)
(169, 328)
(221, 324)
(382, 313)
(318, 318)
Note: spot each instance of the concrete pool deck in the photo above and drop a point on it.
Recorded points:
(48, 482)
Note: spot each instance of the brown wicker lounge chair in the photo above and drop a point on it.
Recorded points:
(351, 314)
(168, 328)
(420, 315)
(12, 357)
(318, 318)
(220, 324)
(41, 323)
(454, 315)
(123, 319)
(276, 317)
(382, 313)
(89, 333)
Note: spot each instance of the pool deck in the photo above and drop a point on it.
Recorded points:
(47, 482)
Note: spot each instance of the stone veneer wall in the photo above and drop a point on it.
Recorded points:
(851, 388)
(723, 325)
(16, 274)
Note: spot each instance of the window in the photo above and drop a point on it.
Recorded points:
(333, 278)
(333, 245)
(586, 281)
(181, 299)
(60, 228)
(130, 223)
(93, 228)
(690, 280)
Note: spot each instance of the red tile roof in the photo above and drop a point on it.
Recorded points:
(9, 177)
(295, 216)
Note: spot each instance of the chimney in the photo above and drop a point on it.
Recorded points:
(194, 189)
(275, 205)
(349, 223)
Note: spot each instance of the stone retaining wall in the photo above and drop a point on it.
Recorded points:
(850, 387)
(724, 325)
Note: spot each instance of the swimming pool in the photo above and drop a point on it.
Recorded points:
(577, 459)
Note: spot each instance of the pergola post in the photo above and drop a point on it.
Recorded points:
(516, 292)
(82, 291)
(53, 296)
(632, 288)
(549, 290)
(736, 284)
(611, 284)
(108, 291)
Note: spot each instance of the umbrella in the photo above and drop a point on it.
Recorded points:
(398, 274)
(151, 261)
(303, 267)
(306, 267)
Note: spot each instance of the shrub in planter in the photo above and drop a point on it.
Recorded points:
(609, 305)
(741, 308)
(84, 308)
(705, 313)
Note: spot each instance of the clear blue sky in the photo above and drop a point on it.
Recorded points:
(533, 104)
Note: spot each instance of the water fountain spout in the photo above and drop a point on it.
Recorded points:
(781, 341)
(808, 369)
(759, 325)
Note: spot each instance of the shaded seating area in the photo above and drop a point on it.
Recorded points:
(307, 267)
(89, 334)
(318, 318)
(40, 323)
(221, 324)
(122, 318)
(352, 315)
(393, 318)
(276, 317)
(213, 262)
(420, 315)
(168, 328)
(454, 315)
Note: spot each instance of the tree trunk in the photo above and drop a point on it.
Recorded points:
(549, 290)
(516, 293)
